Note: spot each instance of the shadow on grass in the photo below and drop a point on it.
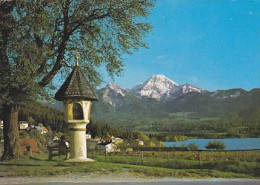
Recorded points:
(16, 164)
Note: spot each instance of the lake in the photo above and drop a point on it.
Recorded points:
(231, 144)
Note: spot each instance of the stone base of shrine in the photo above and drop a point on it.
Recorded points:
(79, 160)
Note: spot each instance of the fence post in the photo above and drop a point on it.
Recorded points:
(199, 159)
(142, 157)
(0, 150)
(238, 160)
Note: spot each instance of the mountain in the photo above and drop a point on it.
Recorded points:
(117, 102)
(161, 88)
(231, 93)
(113, 95)
(160, 97)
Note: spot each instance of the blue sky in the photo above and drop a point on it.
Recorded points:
(213, 44)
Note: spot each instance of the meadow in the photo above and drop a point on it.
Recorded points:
(243, 162)
(153, 164)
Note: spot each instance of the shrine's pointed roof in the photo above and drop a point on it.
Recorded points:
(76, 86)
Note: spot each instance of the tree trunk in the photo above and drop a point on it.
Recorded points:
(11, 132)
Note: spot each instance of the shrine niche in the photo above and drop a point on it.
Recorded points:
(77, 111)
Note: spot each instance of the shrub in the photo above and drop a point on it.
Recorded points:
(216, 145)
(193, 146)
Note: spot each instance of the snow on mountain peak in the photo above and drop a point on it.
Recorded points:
(157, 87)
(162, 78)
(186, 88)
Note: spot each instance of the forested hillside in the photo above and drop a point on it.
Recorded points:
(219, 114)
(36, 113)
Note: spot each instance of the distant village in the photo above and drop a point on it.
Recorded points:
(108, 144)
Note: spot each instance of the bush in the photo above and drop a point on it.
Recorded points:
(216, 145)
(193, 146)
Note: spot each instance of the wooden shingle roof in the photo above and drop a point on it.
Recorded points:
(76, 86)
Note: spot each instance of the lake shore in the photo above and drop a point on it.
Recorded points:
(230, 143)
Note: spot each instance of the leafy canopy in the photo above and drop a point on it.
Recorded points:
(38, 40)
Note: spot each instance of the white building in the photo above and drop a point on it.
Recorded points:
(88, 136)
(1, 124)
(23, 125)
(107, 147)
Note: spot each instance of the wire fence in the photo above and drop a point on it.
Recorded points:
(238, 161)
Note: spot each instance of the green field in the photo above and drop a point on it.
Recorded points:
(155, 164)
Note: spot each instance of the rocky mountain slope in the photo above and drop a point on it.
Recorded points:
(159, 96)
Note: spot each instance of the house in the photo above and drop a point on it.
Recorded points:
(42, 129)
(88, 136)
(39, 128)
(45, 130)
(97, 139)
(139, 143)
(106, 147)
(23, 125)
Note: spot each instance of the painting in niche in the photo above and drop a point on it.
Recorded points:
(77, 111)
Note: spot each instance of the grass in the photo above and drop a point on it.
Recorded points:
(248, 168)
(39, 165)
(152, 165)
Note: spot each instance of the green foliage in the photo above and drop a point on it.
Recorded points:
(31, 120)
(123, 146)
(36, 113)
(38, 41)
(216, 145)
(161, 144)
(152, 144)
(145, 139)
(193, 146)
(103, 130)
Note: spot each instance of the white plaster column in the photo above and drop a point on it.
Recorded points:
(78, 145)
